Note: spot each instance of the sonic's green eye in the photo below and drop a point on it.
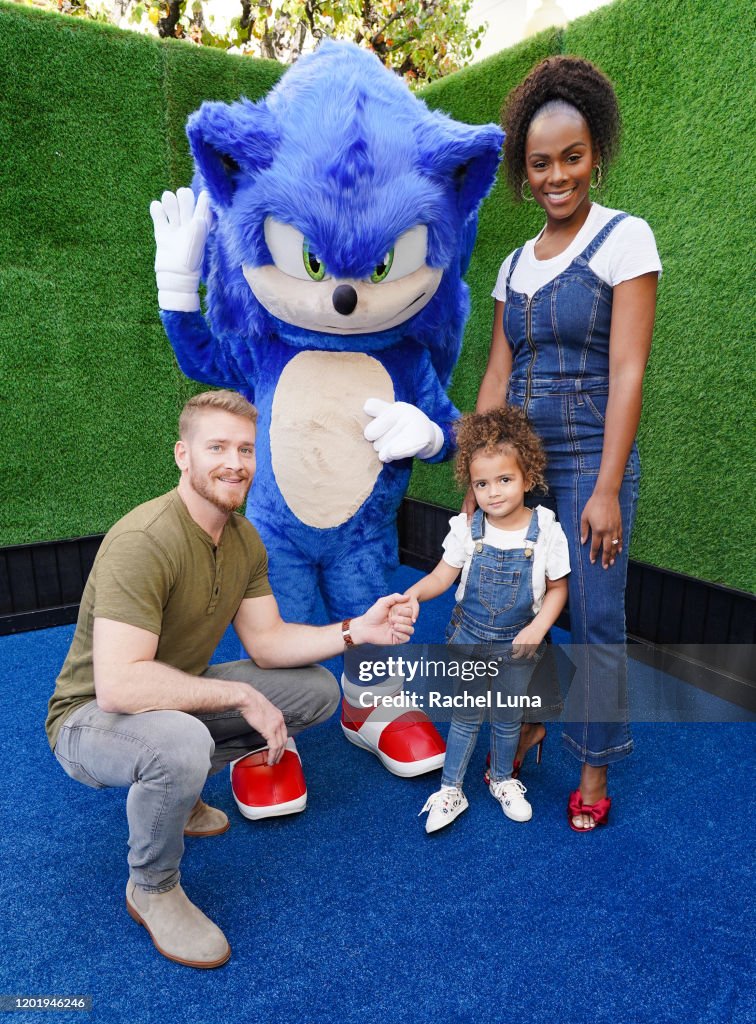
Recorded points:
(381, 271)
(313, 264)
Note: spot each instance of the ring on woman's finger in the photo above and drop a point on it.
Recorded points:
(615, 540)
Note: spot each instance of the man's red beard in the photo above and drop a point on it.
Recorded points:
(204, 488)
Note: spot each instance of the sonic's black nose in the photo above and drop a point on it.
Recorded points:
(344, 299)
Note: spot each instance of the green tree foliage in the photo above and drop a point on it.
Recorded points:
(421, 40)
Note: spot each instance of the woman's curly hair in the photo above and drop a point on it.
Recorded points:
(500, 429)
(570, 80)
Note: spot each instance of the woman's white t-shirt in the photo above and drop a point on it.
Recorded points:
(551, 559)
(628, 251)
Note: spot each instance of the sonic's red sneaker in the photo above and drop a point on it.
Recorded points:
(406, 742)
(266, 791)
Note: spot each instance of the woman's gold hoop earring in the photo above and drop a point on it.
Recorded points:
(527, 198)
(597, 183)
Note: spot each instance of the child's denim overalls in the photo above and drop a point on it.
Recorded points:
(560, 377)
(497, 603)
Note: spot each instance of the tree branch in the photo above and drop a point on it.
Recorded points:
(247, 19)
(167, 25)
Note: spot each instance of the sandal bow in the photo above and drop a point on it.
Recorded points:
(598, 811)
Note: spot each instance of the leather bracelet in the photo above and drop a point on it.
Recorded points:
(346, 626)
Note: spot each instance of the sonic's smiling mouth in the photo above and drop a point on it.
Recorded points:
(345, 329)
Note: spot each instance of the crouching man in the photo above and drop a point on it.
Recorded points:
(136, 704)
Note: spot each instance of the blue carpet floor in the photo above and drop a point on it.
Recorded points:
(350, 913)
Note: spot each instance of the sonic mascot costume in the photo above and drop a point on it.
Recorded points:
(333, 224)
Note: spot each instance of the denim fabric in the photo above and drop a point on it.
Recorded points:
(165, 757)
(560, 378)
(497, 603)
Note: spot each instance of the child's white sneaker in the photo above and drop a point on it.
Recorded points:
(511, 795)
(443, 807)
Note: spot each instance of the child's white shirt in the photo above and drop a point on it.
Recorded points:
(551, 558)
(628, 251)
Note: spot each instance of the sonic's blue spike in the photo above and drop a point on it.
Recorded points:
(353, 163)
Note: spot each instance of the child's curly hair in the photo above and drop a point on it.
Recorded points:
(570, 80)
(505, 428)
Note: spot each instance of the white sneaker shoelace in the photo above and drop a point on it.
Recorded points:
(443, 807)
(511, 788)
(510, 794)
(445, 800)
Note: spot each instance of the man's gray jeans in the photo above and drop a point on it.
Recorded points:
(165, 757)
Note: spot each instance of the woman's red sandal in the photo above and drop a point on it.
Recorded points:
(598, 811)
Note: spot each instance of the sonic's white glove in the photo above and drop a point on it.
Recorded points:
(181, 230)
(400, 430)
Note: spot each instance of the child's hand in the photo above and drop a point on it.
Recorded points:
(402, 615)
(401, 623)
(412, 605)
(388, 621)
(527, 642)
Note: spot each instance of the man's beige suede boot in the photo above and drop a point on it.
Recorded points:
(205, 820)
(179, 930)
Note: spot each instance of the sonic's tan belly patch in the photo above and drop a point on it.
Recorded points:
(324, 467)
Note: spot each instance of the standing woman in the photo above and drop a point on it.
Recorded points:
(573, 319)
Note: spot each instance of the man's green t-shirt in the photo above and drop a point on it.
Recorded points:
(158, 570)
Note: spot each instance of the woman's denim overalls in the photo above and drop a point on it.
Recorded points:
(560, 377)
(496, 605)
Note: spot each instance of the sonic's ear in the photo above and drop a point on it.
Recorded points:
(465, 155)
(228, 140)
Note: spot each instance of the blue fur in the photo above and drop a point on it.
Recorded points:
(342, 151)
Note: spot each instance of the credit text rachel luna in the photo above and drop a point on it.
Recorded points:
(436, 699)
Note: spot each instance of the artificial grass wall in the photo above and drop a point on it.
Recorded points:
(93, 129)
(685, 78)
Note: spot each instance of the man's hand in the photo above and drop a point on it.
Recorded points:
(388, 621)
(400, 431)
(129, 681)
(265, 718)
(181, 230)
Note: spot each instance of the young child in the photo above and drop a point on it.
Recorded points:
(514, 562)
